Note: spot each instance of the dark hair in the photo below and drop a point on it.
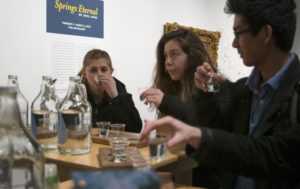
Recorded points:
(196, 55)
(279, 14)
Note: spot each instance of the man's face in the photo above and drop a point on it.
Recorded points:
(250, 47)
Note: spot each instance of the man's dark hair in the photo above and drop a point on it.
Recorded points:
(279, 14)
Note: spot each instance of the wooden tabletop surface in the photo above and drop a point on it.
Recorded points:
(175, 162)
(90, 160)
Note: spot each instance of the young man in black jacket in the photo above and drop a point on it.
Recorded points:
(259, 148)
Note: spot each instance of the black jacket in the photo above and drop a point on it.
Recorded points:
(173, 106)
(120, 109)
(273, 158)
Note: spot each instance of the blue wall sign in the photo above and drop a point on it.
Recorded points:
(75, 17)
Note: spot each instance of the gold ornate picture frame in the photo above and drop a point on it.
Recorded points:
(209, 38)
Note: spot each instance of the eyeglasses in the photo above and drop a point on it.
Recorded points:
(237, 34)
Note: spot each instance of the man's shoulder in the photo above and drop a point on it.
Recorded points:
(239, 84)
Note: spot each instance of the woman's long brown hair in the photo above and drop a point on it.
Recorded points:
(196, 55)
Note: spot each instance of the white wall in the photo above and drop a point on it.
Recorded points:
(132, 29)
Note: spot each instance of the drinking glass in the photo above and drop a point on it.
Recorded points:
(51, 177)
(118, 129)
(118, 145)
(157, 147)
(103, 128)
(140, 91)
(141, 162)
(213, 86)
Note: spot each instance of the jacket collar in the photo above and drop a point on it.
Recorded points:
(284, 93)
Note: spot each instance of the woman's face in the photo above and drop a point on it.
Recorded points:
(96, 68)
(175, 60)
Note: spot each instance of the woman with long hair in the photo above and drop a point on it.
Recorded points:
(178, 54)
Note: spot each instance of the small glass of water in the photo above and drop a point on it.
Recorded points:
(213, 86)
(157, 147)
(141, 90)
(141, 162)
(51, 178)
(103, 128)
(118, 129)
(118, 145)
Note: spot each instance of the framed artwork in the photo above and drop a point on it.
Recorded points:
(209, 38)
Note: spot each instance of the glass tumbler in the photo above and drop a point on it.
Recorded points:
(118, 129)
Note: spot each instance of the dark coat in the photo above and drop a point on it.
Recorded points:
(173, 106)
(120, 109)
(273, 158)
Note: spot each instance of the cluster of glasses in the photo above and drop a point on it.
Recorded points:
(104, 127)
(121, 152)
(119, 143)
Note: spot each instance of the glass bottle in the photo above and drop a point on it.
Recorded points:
(6, 159)
(44, 115)
(22, 101)
(74, 131)
(28, 158)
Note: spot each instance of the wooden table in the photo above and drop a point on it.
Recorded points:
(175, 162)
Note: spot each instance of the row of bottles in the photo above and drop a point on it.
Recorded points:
(65, 125)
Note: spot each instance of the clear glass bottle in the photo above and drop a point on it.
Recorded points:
(44, 115)
(6, 159)
(28, 158)
(74, 131)
(22, 101)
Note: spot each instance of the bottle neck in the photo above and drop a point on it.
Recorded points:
(13, 82)
(47, 89)
(74, 91)
(10, 118)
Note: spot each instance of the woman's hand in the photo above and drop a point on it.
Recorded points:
(152, 96)
(108, 83)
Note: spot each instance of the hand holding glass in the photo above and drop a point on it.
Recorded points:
(213, 86)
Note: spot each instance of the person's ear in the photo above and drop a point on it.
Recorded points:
(267, 33)
(84, 74)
